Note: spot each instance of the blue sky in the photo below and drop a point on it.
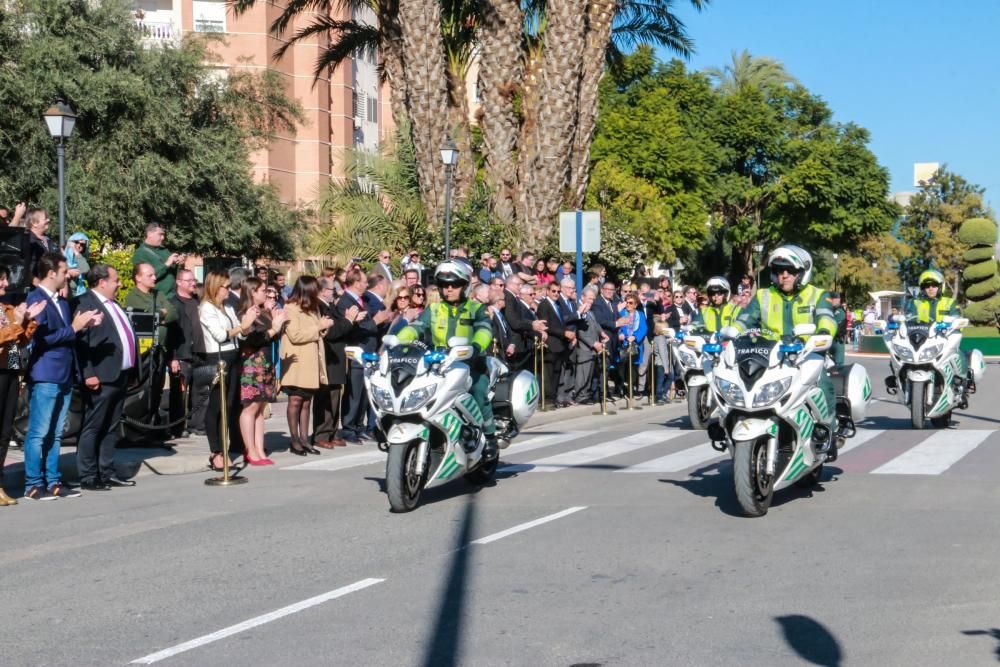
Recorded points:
(923, 77)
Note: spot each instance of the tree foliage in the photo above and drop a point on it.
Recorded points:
(980, 274)
(158, 137)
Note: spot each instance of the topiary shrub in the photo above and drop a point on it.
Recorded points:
(980, 274)
(979, 271)
(978, 231)
(978, 254)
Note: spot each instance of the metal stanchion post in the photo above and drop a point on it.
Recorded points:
(225, 480)
(541, 349)
(651, 372)
(631, 399)
(604, 385)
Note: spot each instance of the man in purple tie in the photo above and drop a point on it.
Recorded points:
(107, 354)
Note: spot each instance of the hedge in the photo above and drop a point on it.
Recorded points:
(979, 271)
(978, 254)
(978, 231)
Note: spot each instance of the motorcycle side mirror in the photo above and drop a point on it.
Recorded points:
(820, 343)
(804, 329)
(729, 333)
(960, 323)
(390, 341)
(457, 341)
(354, 353)
(899, 319)
(461, 352)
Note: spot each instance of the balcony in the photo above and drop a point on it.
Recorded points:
(158, 33)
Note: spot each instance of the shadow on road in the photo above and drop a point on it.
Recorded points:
(716, 481)
(992, 632)
(444, 645)
(811, 640)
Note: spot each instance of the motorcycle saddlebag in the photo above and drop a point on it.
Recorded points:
(853, 390)
(517, 392)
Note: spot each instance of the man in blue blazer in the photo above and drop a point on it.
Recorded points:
(108, 353)
(51, 375)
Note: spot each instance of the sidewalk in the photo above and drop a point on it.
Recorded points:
(190, 455)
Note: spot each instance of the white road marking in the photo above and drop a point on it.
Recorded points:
(935, 454)
(525, 526)
(340, 462)
(682, 460)
(861, 437)
(587, 455)
(254, 622)
(544, 441)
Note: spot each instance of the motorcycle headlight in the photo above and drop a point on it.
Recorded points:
(731, 392)
(686, 358)
(929, 352)
(903, 352)
(382, 398)
(771, 392)
(417, 398)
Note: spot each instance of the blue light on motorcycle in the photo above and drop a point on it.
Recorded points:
(679, 335)
(942, 326)
(793, 348)
(711, 348)
(892, 326)
(369, 356)
(435, 357)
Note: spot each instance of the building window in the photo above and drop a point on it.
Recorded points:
(372, 110)
(209, 15)
(360, 103)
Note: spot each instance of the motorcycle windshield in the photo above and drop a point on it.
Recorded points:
(403, 362)
(917, 334)
(753, 356)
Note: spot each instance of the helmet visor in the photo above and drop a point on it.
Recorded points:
(781, 267)
(929, 283)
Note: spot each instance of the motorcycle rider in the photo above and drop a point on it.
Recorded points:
(791, 300)
(457, 315)
(931, 306)
(719, 312)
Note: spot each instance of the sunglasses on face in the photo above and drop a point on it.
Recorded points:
(446, 285)
(402, 296)
(926, 285)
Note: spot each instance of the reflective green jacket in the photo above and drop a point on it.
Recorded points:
(776, 313)
(931, 310)
(441, 321)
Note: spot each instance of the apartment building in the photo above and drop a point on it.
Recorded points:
(343, 109)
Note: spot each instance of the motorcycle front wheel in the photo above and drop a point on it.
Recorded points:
(754, 487)
(403, 485)
(918, 395)
(699, 408)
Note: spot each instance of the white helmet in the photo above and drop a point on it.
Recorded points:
(796, 259)
(452, 271)
(718, 283)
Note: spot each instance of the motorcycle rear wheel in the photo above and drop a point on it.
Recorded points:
(918, 396)
(699, 409)
(403, 485)
(754, 487)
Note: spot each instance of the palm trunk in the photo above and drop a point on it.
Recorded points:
(427, 99)
(392, 60)
(460, 131)
(544, 179)
(501, 81)
(600, 15)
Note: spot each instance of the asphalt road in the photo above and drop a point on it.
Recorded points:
(605, 541)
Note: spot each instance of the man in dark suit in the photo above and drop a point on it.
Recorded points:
(52, 370)
(365, 336)
(523, 322)
(505, 341)
(606, 307)
(383, 268)
(107, 354)
(326, 407)
(559, 337)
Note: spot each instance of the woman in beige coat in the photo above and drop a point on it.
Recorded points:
(303, 359)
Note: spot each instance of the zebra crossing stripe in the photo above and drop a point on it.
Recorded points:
(860, 438)
(682, 460)
(935, 454)
(588, 455)
(340, 462)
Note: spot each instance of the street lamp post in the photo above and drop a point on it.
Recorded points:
(60, 119)
(449, 156)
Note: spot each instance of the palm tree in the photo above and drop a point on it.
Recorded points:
(747, 72)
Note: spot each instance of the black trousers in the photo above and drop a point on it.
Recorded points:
(355, 418)
(10, 390)
(552, 370)
(326, 412)
(100, 430)
(180, 403)
(213, 417)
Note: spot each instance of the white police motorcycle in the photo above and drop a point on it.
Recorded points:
(429, 423)
(930, 373)
(695, 365)
(773, 416)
